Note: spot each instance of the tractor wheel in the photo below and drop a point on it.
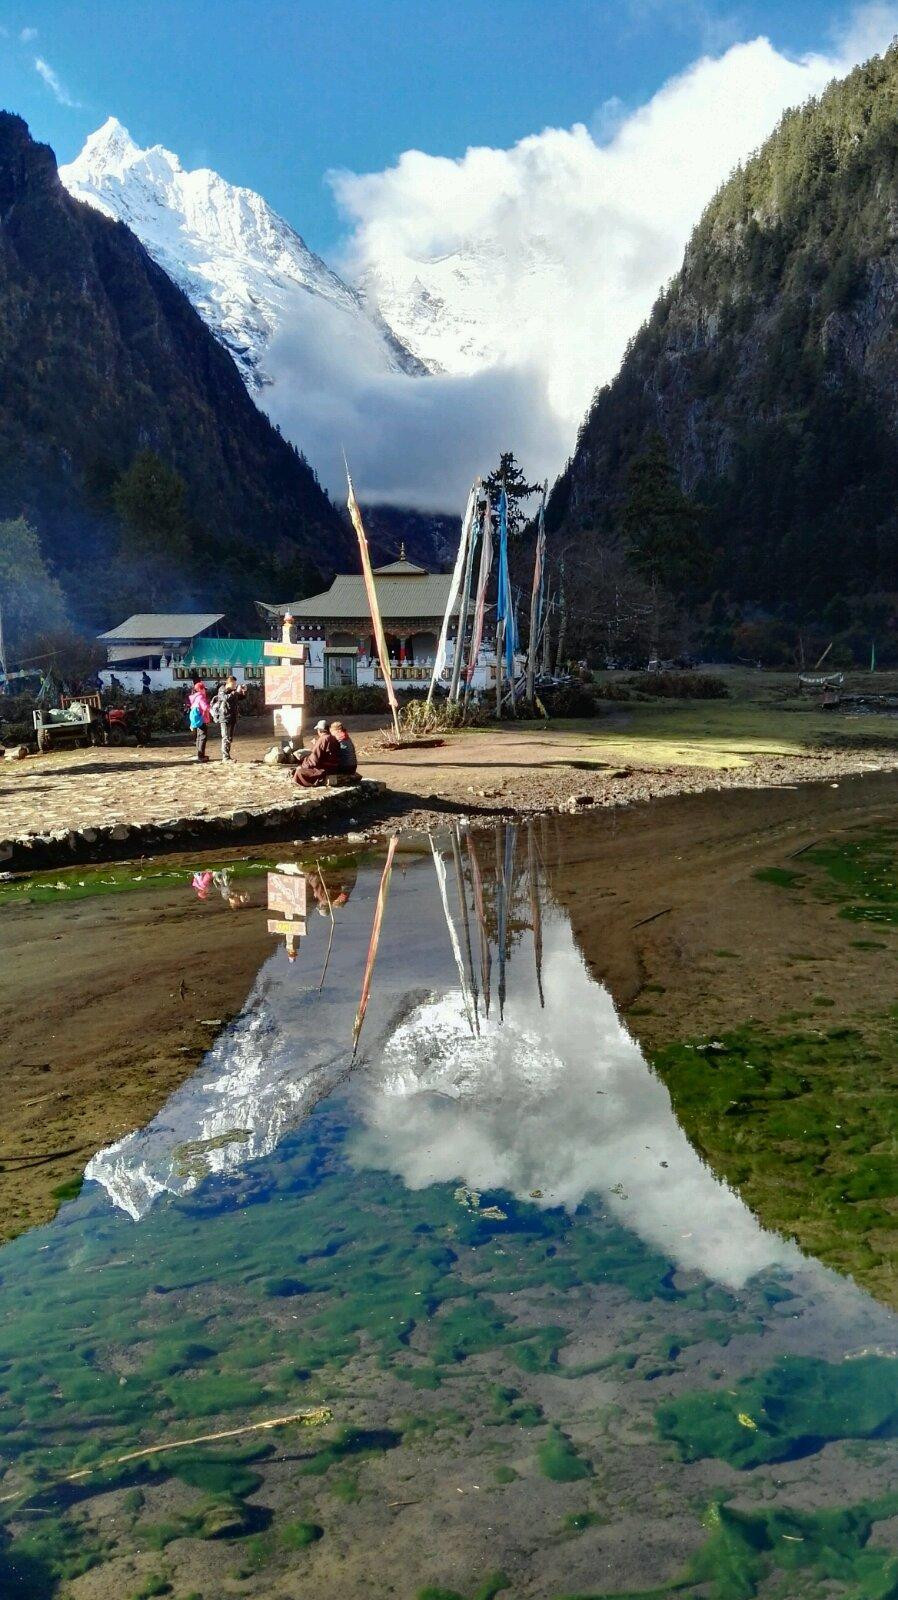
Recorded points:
(116, 735)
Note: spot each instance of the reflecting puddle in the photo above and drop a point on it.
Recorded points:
(428, 1182)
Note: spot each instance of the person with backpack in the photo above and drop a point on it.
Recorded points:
(226, 710)
(199, 716)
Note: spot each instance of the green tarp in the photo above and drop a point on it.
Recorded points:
(217, 655)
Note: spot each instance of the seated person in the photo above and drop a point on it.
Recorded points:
(323, 758)
(348, 761)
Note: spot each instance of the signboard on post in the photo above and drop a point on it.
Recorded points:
(285, 685)
(285, 682)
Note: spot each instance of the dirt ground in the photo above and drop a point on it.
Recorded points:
(105, 1006)
(632, 753)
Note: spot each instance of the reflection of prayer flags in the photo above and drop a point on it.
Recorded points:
(454, 588)
(373, 943)
(440, 866)
(485, 959)
(376, 623)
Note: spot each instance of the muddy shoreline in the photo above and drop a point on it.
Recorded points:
(655, 894)
(100, 806)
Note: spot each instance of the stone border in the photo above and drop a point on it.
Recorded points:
(34, 852)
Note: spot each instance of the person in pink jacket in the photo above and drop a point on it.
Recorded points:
(199, 716)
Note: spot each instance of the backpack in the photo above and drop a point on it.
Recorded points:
(195, 717)
(216, 707)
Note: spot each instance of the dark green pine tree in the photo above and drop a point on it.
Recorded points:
(661, 528)
(508, 475)
(150, 500)
(660, 524)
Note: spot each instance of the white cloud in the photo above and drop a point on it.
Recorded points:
(525, 271)
(27, 35)
(53, 82)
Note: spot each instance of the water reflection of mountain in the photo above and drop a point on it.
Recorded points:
(493, 1060)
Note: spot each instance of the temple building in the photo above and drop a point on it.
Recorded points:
(337, 627)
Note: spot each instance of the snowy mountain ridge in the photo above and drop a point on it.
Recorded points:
(249, 274)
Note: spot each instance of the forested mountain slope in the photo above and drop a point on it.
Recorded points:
(769, 367)
(127, 437)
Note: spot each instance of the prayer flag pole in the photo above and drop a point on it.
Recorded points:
(483, 578)
(374, 608)
(465, 601)
(536, 597)
(455, 585)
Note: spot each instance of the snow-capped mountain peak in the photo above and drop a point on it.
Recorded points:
(248, 272)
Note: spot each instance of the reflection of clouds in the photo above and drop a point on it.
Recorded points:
(561, 1101)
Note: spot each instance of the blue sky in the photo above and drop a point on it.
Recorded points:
(272, 94)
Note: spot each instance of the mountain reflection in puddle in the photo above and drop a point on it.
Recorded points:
(548, 1097)
(426, 1195)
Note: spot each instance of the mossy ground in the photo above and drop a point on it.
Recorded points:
(802, 1123)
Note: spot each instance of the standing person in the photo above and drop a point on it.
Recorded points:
(199, 716)
(348, 760)
(226, 710)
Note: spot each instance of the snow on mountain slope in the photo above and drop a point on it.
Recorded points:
(316, 354)
(249, 274)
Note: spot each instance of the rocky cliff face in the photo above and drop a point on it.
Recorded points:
(770, 365)
(102, 356)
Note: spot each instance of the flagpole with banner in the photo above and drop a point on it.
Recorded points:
(536, 597)
(506, 640)
(483, 578)
(454, 587)
(465, 604)
(376, 623)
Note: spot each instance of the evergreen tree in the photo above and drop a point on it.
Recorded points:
(150, 500)
(508, 476)
(30, 597)
(661, 525)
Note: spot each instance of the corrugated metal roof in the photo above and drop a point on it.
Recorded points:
(220, 654)
(162, 625)
(402, 566)
(398, 597)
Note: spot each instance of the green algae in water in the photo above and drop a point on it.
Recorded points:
(744, 1551)
(298, 1535)
(189, 1323)
(790, 1410)
(86, 883)
(803, 1125)
(560, 1460)
(858, 874)
(491, 1586)
(579, 1521)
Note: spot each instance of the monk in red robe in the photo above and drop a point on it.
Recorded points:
(322, 759)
